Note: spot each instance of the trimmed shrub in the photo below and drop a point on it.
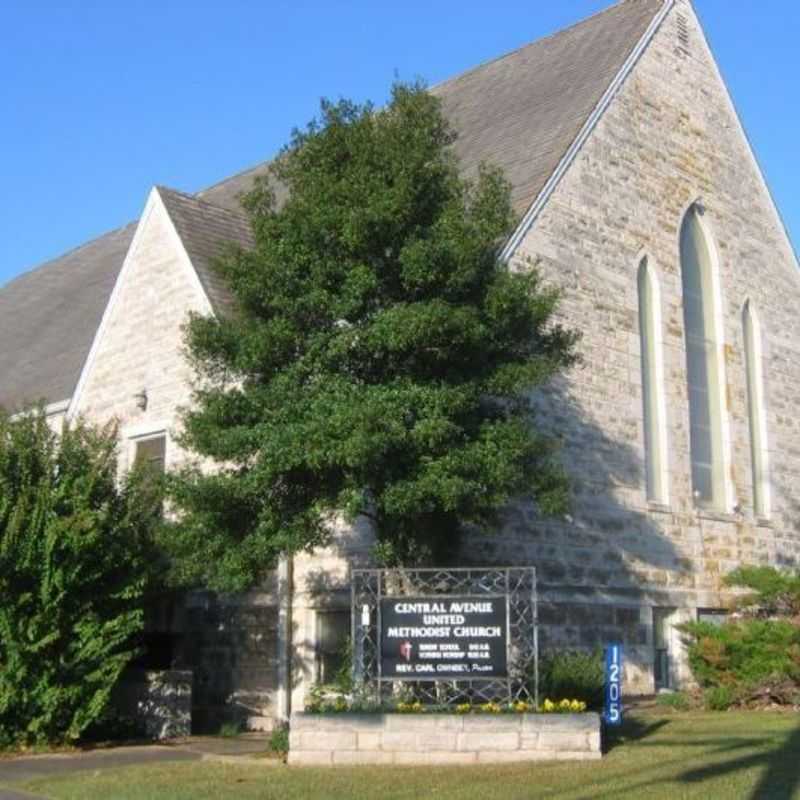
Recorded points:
(775, 593)
(746, 660)
(574, 674)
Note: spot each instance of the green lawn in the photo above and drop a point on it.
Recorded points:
(657, 755)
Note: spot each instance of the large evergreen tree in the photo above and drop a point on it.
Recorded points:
(378, 360)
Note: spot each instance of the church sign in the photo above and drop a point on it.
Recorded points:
(444, 637)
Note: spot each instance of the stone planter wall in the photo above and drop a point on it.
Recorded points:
(442, 738)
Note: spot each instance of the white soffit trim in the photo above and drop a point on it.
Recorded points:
(51, 409)
(56, 408)
(112, 301)
(544, 195)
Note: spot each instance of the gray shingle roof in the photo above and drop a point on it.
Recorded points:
(206, 230)
(48, 318)
(520, 112)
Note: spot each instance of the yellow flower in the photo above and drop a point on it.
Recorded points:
(549, 705)
(463, 708)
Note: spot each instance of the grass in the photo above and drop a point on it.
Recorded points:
(229, 730)
(656, 755)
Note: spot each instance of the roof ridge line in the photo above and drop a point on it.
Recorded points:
(201, 200)
(516, 50)
(435, 86)
(44, 264)
(235, 175)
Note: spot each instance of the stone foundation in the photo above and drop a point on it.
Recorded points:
(160, 700)
(330, 739)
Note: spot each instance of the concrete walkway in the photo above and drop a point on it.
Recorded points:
(15, 771)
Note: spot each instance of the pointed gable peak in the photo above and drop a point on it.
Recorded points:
(206, 230)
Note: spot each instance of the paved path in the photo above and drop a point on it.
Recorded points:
(22, 770)
(7, 794)
(15, 771)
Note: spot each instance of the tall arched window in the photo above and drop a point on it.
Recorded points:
(655, 445)
(702, 364)
(755, 408)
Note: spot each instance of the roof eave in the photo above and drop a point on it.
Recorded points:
(539, 203)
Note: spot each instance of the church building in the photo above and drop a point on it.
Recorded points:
(639, 196)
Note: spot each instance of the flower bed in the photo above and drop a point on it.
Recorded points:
(337, 703)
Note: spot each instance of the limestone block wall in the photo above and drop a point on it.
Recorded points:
(141, 342)
(231, 644)
(669, 138)
(332, 739)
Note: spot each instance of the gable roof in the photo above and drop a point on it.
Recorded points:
(206, 231)
(520, 112)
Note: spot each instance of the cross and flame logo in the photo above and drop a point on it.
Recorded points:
(405, 650)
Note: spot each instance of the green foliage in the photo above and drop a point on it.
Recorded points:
(230, 730)
(774, 593)
(746, 657)
(73, 566)
(719, 698)
(573, 674)
(377, 360)
(679, 701)
(279, 740)
(343, 680)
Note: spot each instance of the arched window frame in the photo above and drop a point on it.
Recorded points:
(654, 413)
(725, 502)
(756, 410)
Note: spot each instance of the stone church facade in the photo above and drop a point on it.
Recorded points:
(641, 198)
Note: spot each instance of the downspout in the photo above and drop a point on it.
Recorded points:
(285, 589)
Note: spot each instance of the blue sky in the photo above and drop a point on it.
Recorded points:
(101, 100)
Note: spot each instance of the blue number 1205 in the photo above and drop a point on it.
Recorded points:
(613, 705)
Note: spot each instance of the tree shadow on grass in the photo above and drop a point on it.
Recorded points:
(781, 777)
(633, 729)
(639, 777)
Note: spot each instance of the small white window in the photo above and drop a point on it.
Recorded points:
(755, 408)
(151, 451)
(655, 446)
